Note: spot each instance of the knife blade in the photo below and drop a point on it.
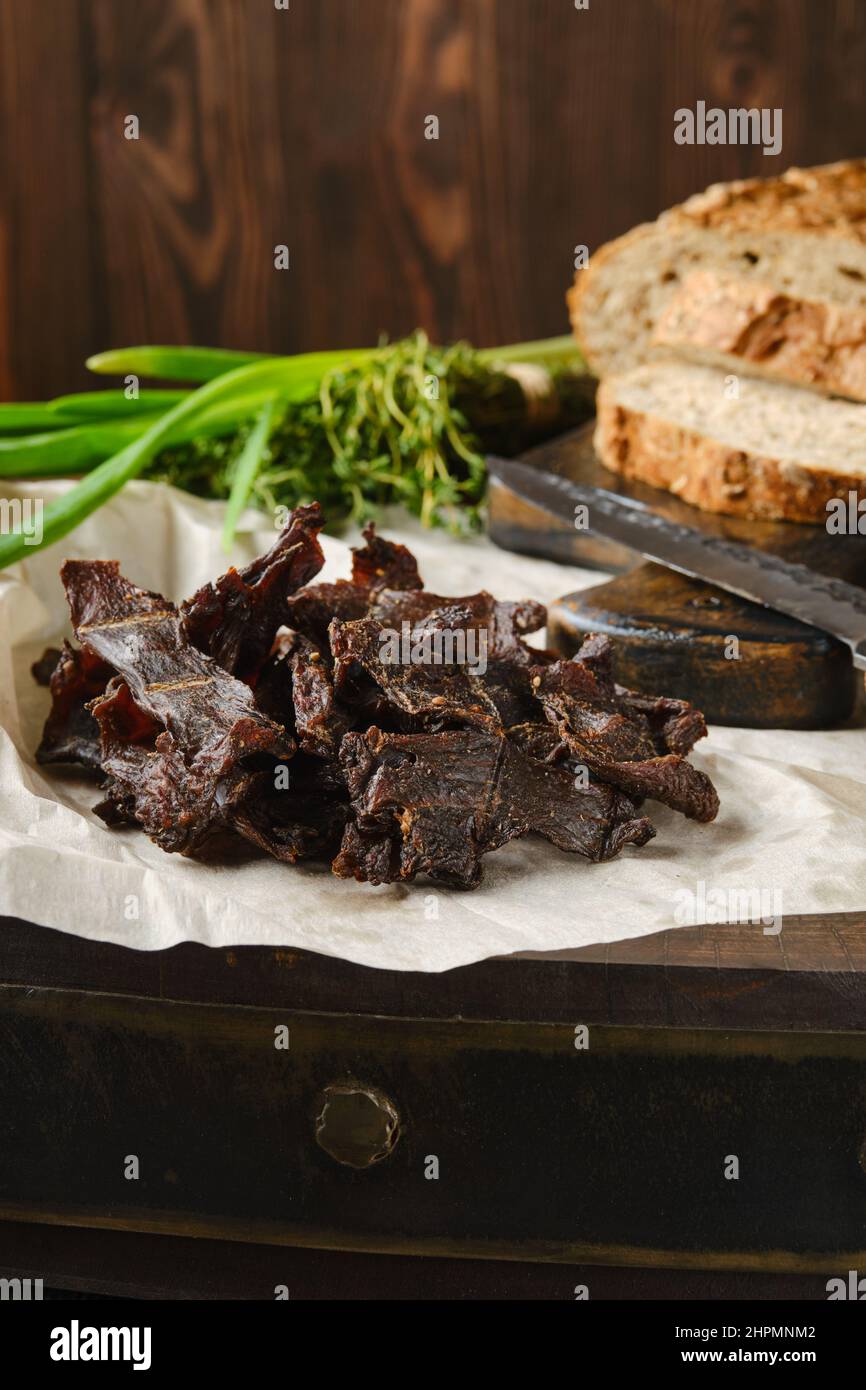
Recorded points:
(823, 602)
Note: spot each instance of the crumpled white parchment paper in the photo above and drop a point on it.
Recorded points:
(792, 828)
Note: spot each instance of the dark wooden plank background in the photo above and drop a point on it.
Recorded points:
(305, 126)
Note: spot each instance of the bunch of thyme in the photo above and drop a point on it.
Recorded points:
(411, 425)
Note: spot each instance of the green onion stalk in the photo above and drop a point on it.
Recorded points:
(406, 422)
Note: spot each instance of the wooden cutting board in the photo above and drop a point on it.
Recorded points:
(740, 663)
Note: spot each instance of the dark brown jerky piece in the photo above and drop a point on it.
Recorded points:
(187, 787)
(616, 744)
(376, 565)
(505, 623)
(415, 669)
(381, 564)
(499, 628)
(596, 653)
(596, 820)
(312, 611)
(296, 688)
(419, 804)
(153, 787)
(435, 803)
(673, 725)
(369, 856)
(540, 741)
(187, 806)
(320, 720)
(273, 689)
(71, 734)
(303, 819)
(543, 743)
(236, 619)
(293, 811)
(43, 669)
(145, 786)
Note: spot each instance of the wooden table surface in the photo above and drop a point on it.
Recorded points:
(705, 1041)
(811, 975)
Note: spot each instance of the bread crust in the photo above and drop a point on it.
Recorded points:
(828, 201)
(584, 285)
(709, 474)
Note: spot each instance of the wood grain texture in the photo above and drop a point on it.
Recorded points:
(673, 634)
(48, 273)
(127, 1264)
(811, 976)
(306, 127)
(225, 1129)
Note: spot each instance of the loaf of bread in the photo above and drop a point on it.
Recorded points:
(741, 445)
(800, 236)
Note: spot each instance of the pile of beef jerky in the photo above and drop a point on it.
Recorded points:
(262, 712)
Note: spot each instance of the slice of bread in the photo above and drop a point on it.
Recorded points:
(770, 451)
(803, 233)
(745, 324)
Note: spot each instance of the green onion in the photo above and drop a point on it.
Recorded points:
(96, 405)
(79, 448)
(545, 350)
(295, 378)
(28, 418)
(173, 363)
(63, 451)
(246, 469)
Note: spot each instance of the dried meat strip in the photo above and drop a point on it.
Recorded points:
(411, 670)
(273, 689)
(185, 783)
(617, 742)
(151, 784)
(381, 564)
(235, 620)
(436, 803)
(43, 669)
(71, 734)
(296, 688)
(377, 565)
(303, 820)
(499, 627)
(312, 611)
(320, 720)
(674, 725)
(486, 680)
(504, 623)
